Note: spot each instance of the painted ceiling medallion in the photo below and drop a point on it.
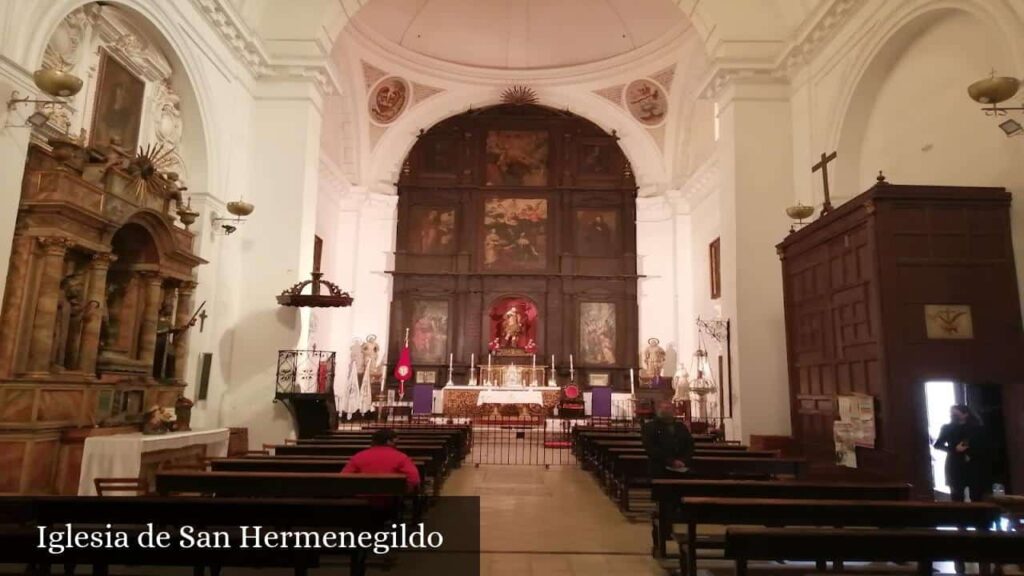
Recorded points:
(519, 95)
(388, 99)
(646, 101)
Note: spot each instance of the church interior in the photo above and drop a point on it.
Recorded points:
(657, 287)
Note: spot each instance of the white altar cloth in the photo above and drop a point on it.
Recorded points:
(120, 455)
(507, 396)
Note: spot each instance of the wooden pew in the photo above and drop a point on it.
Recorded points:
(437, 452)
(280, 484)
(428, 469)
(631, 470)
(743, 545)
(22, 515)
(829, 513)
(669, 494)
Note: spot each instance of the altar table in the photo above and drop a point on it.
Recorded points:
(481, 401)
(138, 456)
(506, 396)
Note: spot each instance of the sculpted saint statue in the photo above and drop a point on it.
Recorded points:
(370, 353)
(512, 327)
(654, 358)
(681, 385)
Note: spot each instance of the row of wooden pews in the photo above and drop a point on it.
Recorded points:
(617, 458)
(771, 512)
(274, 489)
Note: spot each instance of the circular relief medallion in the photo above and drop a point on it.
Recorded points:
(646, 101)
(388, 99)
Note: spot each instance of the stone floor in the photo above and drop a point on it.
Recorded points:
(556, 521)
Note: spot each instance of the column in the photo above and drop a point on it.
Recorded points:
(41, 345)
(755, 168)
(13, 302)
(182, 314)
(153, 283)
(96, 301)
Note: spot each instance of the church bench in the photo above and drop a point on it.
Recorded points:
(629, 470)
(283, 485)
(743, 545)
(588, 445)
(436, 452)
(828, 513)
(454, 452)
(25, 514)
(603, 458)
(670, 494)
(464, 432)
(428, 469)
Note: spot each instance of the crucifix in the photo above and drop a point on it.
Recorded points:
(202, 320)
(826, 207)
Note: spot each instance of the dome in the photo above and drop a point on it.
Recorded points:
(520, 34)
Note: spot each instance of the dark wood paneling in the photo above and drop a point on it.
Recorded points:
(587, 175)
(856, 282)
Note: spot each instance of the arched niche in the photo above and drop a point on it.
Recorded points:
(913, 73)
(131, 40)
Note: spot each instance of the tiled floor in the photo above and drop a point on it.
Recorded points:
(552, 522)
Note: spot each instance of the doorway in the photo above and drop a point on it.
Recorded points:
(985, 401)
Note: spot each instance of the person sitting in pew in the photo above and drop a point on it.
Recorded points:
(668, 443)
(383, 458)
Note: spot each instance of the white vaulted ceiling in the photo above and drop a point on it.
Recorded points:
(520, 34)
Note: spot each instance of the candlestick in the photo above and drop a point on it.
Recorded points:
(632, 389)
(534, 361)
(570, 362)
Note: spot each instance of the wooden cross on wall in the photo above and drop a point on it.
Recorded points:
(826, 207)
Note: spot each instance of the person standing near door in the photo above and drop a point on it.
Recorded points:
(968, 465)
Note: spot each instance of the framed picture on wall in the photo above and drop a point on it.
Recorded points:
(517, 158)
(598, 379)
(119, 100)
(597, 232)
(431, 230)
(428, 335)
(715, 267)
(515, 234)
(598, 331)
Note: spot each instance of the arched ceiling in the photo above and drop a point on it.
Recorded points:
(520, 34)
(529, 33)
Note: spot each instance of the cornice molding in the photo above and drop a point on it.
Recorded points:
(701, 184)
(807, 43)
(252, 52)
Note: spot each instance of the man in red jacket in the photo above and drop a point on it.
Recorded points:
(383, 458)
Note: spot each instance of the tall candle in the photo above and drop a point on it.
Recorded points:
(472, 361)
(570, 362)
(534, 361)
(451, 360)
(632, 390)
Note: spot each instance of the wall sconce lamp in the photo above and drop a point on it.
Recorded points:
(993, 91)
(56, 83)
(239, 210)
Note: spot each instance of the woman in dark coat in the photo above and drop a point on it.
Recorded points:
(967, 458)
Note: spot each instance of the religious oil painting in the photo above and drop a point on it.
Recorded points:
(595, 160)
(517, 158)
(597, 333)
(119, 98)
(431, 230)
(646, 101)
(388, 100)
(428, 339)
(596, 232)
(515, 233)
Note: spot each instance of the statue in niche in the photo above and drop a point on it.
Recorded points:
(369, 352)
(681, 385)
(163, 359)
(110, 325)
(513, 325)
(654, 359)
(67, 330)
